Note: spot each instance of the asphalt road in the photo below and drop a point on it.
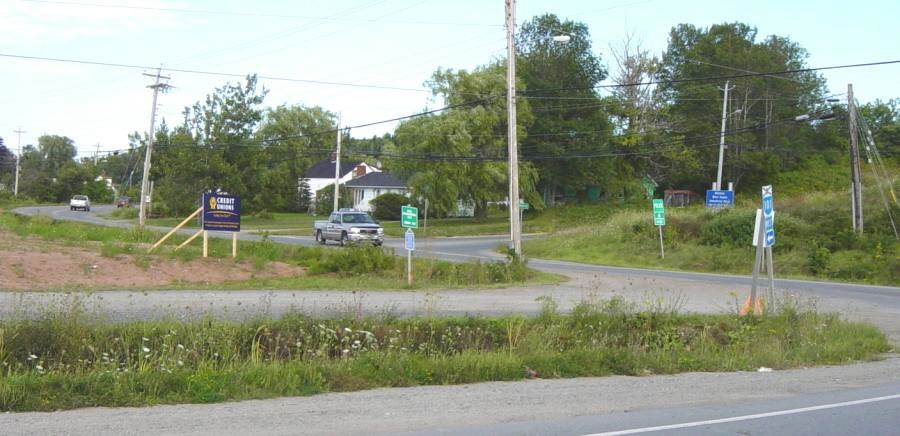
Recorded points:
(860, 398)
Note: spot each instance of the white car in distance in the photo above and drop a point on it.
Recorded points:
(80, 202)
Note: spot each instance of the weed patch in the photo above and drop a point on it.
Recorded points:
(68, 359)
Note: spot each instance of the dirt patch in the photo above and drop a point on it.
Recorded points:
(31, 264)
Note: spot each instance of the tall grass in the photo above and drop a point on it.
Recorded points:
(69, 359)
(813, 240)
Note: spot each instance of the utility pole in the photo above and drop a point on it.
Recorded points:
(97, 154)
(515, 224)
(19, 131)
(856, 195)
(156, 86)
(337, 166)
(722, 137)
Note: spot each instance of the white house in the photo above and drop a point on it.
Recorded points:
(364, 189)
(321, 174)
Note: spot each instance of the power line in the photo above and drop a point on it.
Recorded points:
(211, 73)
(261, 14)
(719, 78)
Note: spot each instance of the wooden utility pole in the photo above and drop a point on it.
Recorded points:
(722, 138)
(515, 224)
(856, 195)
(337, 166)
(19, 131)
(145, 185)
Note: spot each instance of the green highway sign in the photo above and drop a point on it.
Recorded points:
(523, 205)
(659, 213)
(409, 217)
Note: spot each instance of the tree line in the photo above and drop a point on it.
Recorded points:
(586, 131)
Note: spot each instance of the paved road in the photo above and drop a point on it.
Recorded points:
(858, 398)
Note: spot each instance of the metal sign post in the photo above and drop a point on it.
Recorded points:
(659, 220)
(763, 239)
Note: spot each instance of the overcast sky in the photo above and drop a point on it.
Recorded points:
(392, 43)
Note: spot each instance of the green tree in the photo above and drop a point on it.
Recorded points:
(293, 139)
(760, 107)
(460, 153)
(570, 119)
(213, 148)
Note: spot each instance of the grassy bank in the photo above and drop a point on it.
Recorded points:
(814, 240)
(68, 360)
(351, 268)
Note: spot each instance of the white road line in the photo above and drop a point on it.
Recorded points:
(747, 417)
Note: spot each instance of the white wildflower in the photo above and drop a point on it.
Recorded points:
(181, 347)
(146, 350)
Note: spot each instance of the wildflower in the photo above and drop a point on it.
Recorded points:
(345, 352)
(144, 339)
(180, 363)
(347, 329)
(39, 368)
(181, 347)
(146, 350)
(32, 357)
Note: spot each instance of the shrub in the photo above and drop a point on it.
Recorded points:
(356, 261)
(728, 227)
(387, 206)
(325, 199)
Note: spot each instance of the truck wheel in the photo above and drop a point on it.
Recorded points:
(344, 239)
(319, 238)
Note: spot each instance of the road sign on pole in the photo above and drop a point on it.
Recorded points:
(659, 213)
(659, 220)
(768, 215)
(523, 205)
(410, 239)
(409, 217)
(719, 198)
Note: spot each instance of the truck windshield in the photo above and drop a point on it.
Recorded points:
(80, 197)
(360, 218)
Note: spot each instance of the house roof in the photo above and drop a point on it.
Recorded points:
(324, 169)
(376, 180)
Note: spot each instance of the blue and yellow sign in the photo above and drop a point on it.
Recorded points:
(221, 212)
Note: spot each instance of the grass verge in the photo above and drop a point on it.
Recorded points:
(68, 360)
(350, 268)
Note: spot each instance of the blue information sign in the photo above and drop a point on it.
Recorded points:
(768, 215)
(717, 198)
(410, 238)
(221, 212)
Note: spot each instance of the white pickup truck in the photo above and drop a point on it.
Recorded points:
(349, 226)
(81, 202)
